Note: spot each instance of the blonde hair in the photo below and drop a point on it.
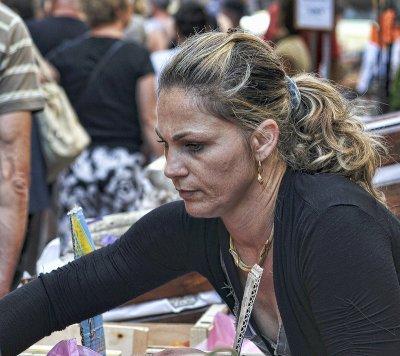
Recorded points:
(238, 77)
(103, 12)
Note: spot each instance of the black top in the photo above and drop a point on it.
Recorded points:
(336, 266)
(106, 107)
(51, 31)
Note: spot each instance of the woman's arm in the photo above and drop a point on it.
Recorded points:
(15, 130)
(151, 253)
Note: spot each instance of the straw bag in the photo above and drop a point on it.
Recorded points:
(63, 138)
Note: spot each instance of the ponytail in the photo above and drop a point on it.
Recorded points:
(325, 135)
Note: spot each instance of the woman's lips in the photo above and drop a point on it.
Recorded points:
(186, 194)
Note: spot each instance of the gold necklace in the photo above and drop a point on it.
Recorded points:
(263, 254)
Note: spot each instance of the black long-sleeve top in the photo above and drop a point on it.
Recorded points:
(336, 267)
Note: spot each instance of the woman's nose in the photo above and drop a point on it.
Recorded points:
(174, 166)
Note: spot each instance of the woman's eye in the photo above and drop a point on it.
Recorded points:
(194, 146)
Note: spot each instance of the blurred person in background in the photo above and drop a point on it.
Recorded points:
(159, 26)
(336, 72)
(63, 21)
(191, 18)
(20, 95)
(286, 39)
(26, 9)
(39, 191)
(136, 29)
(381, 57)
(116, 107)
(274, 22)
(231, 13)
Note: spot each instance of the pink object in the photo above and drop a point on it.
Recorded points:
(222, 335)
(274, 13)
(71, 348)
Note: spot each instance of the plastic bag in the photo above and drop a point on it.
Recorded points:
(71, 348)
(222, 335)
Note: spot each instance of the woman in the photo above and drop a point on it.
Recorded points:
(256, 157)
(112, 90)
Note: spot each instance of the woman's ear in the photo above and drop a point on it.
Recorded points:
(264, 139)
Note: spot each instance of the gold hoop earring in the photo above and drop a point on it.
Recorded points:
(259, 172)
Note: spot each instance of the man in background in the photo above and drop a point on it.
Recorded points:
(20, 94)
(63, 21)
(26, 9)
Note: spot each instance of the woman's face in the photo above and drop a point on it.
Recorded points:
(207, 158)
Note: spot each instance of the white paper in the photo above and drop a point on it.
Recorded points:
(315, 14)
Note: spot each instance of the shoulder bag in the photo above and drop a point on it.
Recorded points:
(63, 138)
